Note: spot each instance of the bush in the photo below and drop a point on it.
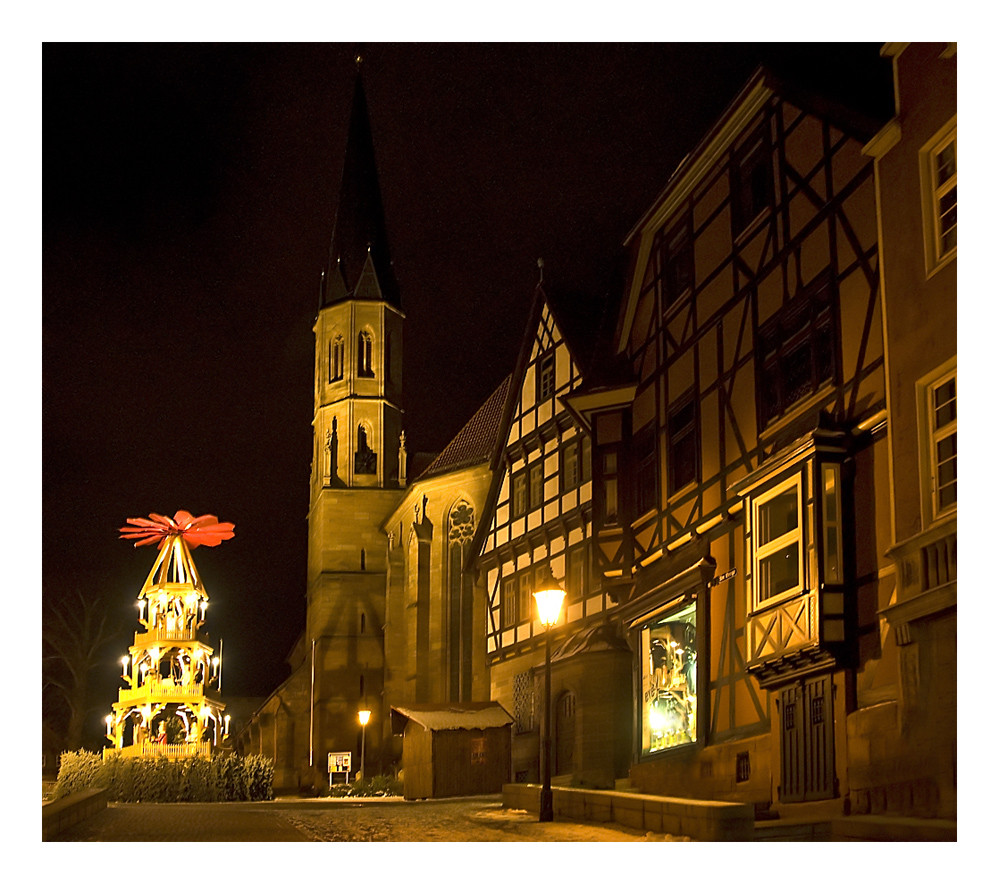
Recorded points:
(374, 787)
(219, 778)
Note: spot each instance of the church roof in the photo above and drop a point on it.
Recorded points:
(360, 265)
(476, 440)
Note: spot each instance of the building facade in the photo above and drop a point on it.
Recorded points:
(540, 527)
(903, 745)
(788, 591)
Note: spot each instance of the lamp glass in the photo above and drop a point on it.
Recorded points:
(363, 716)
(549, 602)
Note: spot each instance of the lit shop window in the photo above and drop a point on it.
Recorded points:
(669, 681)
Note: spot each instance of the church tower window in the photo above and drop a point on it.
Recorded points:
(334, 358)
(365, 458)
(364, 350)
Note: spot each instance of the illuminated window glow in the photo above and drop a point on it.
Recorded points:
(669, 681)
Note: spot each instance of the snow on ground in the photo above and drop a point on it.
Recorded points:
(467, 819)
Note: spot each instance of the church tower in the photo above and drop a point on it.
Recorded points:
(358, 466)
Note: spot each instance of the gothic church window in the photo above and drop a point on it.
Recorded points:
(334, 359)
(365, 459)
(365, 367)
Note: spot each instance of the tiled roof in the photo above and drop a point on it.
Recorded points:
(475, 441)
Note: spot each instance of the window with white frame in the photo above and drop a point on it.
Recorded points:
(939, 182)
(942, 412)
(778, 543)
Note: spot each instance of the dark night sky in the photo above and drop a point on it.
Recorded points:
(188, 199)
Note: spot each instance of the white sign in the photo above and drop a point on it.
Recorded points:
(339, 762)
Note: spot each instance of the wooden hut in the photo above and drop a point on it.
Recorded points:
(453, 749)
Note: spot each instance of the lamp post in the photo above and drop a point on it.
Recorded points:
(362, 716)
(549, 601)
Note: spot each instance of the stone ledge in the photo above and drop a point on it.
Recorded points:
(59, 815)
(699, 819)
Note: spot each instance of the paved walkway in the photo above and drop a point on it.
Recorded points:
(464, 819)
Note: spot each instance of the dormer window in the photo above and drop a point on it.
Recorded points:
(365, 367)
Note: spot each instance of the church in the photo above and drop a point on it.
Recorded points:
(391, 614)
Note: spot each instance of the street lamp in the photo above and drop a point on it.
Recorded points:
(362, 716)
(549, 601)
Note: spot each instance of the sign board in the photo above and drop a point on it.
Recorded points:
(728, 575)
(339, 762)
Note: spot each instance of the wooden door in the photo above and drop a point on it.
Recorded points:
(808, 771)
(565, 733)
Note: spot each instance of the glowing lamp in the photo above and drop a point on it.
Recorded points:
(362, 716)
(549, 602)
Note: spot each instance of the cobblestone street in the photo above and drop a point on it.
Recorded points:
(466, 819)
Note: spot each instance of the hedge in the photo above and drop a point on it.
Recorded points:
(218, 778)
(371, 787)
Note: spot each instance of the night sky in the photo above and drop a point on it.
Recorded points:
(189, 193)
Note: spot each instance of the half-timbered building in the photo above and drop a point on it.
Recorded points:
(539, 527)
(740, 474)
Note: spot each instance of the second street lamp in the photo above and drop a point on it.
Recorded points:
(362, 716)
(549, 601)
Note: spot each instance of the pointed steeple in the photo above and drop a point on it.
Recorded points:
(359, 262)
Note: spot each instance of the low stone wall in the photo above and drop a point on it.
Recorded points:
(59, 815)
(687, 817)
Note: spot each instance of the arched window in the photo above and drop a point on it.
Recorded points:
(461, 527)
(334, 358)
(365, 458)
(365, 367)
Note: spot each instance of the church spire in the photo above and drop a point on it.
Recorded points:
(359, 264)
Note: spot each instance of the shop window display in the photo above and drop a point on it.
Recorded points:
(669, 681)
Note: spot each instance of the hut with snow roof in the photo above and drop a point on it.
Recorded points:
(453, 749)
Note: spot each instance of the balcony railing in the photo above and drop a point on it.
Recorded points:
(939, 562)
(161, 750)
(162, 634)
(157, 688)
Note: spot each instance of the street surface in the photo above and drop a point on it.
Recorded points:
(367, 819)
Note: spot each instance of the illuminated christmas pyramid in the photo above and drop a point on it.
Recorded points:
(172, 704)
